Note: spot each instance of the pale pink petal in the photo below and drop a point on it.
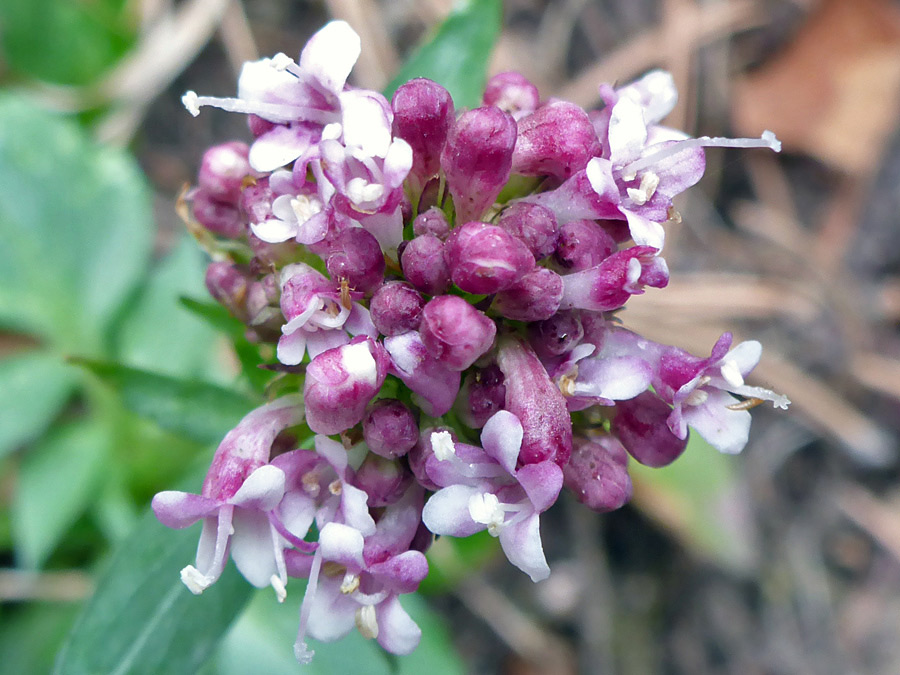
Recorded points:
(447, 511)
(274, 231)
(521, 542)
(331, 54)
(292, 347)
(397, 632)
(262, 490)
(180, 509)
(331, 614)
(252, 547)
(342, 544)
(542, 482)
(502, 439)
(726, 430)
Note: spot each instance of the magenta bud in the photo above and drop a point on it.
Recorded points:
(357, 257)
(482, 394)
(532, 224)
(389, 428)
(534, 297)
(476, 159)
(340, 382)
(608, 286)
(597, 474)
(641, 425)
(556, 140)
(258, 126)
(223, 171)
(256, 201)
(396, 308)
(557, 335)
(583, 244)
(512, 92)
(216, 216)
(485, 258)
(423, 264)
(423, 115)
(541, 408)
(228, 285)
(433, 221)
(454, 332)
(383, 480)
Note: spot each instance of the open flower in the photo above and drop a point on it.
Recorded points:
(482, 489)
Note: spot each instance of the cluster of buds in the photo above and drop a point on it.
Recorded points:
(443, 285)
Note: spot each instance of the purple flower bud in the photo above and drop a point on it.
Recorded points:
(421, 451)
(608, 286)
(477, 158)
(228, 285)
(556, 140)
(383, 480)
(216, 216)
(357, 257)
(433, 221)
(389, 428)
(223, 170)
(396, 308)
(537, 402)
(454, 332)
(583, 244)
(340, 382)
(532, 224)
(512, 92)
(641, 425)
(485, 258)
(557, 335)
(483, 394)
(597, 474)
(423, 264)
(256, 201)
(534, 297)
(433, 383)
(423, 114)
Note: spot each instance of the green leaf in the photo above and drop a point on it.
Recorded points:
(76, 228)
(159, 334)
(32, 634)
(55, 486)
(698, 499)
(142, 619)
(262, 641)
(63, 41)
(34, 387)
(196, 410)
(457, 55)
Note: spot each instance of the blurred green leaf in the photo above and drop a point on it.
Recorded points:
(34, 386)
(63, 41)
(698, 499)
(248, 353)
(262, 641)
(457, 54)
(32, 634)
(196, 410)
(76, 227)
(142, 619)
(55, 485)
(450, 559)
(158, 333)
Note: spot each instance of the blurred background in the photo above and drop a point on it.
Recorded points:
(785, 559)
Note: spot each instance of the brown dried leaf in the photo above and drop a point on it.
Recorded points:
(834, 91)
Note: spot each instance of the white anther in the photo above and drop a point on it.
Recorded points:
(191, 101)
(349, 584)
(195, 580)
(485, 509)
(360, 191)
(304, 208)
(643, 193)
(696, 397)
(367, 622)
(731, 373)
(442, 445)
(281, 61)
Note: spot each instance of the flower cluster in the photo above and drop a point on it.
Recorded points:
(442, 284)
